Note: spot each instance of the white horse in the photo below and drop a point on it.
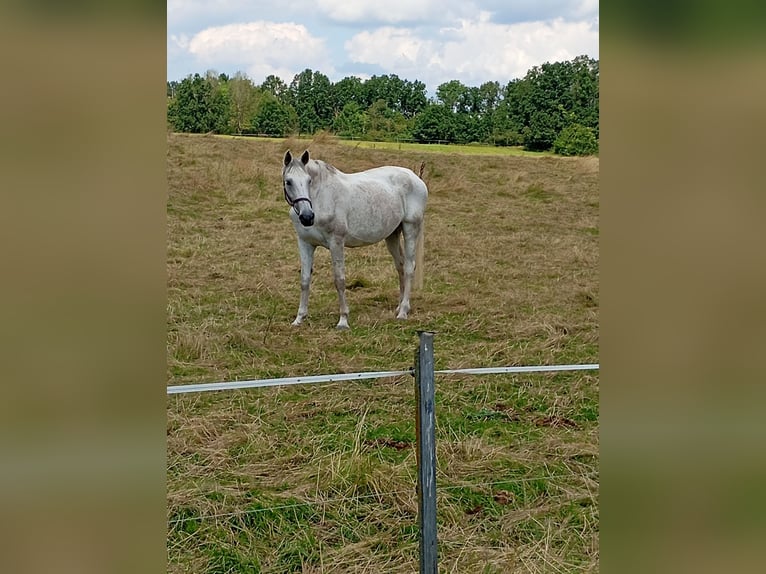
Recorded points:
(337, 210)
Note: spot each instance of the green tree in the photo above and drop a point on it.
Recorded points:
(487, 99)
(541, 131)
(413, 99)
(200, 106)
(381, 122)
(349, 90)
(550, 97)
(244, 98)
(544, 107)
(576, 139)
(401, 96)
(452, 95)
(467, 128)
(473, 109)
(378, 88)
(434, 123)
(172, 88)
(311, 97)
(506, 124)
(350, 121)
(275, 86)
(585, 91)
(275, 118)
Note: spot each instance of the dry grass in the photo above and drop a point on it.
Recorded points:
(320, 478)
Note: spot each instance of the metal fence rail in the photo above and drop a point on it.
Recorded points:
(202, 387)
(232, 385)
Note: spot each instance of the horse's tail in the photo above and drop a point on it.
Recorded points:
(417, 282)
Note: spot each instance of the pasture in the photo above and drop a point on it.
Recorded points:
(321, 478)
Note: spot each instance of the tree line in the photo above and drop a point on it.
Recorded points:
(553, 107)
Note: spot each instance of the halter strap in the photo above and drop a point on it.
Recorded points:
(294, 202)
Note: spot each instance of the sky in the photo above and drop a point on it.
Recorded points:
(433, 41)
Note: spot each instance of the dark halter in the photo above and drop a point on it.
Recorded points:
(294, 202)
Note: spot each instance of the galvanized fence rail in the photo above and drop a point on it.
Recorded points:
(338, 377)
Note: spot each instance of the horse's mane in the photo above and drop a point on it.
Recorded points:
(321, 168)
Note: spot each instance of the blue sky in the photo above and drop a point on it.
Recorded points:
(434, 41)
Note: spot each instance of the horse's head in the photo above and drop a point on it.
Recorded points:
(296, 182)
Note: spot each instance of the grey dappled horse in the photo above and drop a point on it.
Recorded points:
(337, 210)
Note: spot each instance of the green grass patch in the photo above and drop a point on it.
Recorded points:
(229, 560)
(537, 192)
(465, 149)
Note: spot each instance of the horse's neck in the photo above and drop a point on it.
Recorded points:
(319, 168)
(321, 172)
(324, 184)
(314, 170)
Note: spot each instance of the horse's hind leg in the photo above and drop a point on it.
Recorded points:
(307, 262)
(395, 248)
(410, 232)
(339, 273)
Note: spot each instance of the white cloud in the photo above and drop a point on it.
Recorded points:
(179, 42)
(259, 49)
(387, 11)
(474, 51)
(390, 48)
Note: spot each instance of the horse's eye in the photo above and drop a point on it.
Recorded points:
(288, 182)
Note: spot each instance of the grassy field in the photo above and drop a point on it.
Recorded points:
(471, 149)
(321, 478)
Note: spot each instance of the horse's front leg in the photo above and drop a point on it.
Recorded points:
(339, 273)
(307, 264)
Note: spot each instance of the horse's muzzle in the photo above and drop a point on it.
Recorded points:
(306, 215)
(307, 219)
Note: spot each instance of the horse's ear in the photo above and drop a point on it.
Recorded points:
(305, 157)
(288, 157)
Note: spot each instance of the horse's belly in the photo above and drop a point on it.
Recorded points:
(370, 223)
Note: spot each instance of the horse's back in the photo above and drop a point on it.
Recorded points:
(400, 182)
(394, 175)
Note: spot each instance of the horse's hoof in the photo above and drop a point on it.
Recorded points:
(296, 323)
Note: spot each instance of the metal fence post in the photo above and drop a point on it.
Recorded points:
(426, 452)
